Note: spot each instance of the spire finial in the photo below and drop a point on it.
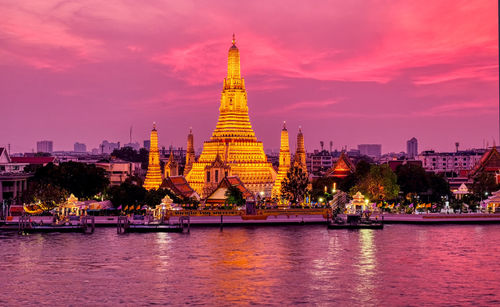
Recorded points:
(154, 125)
(284, 125)
(190, 130)
(300, 129)
(234, 40)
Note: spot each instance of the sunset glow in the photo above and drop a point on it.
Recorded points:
(352, 72)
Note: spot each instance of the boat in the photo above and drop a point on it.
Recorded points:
(355, 221)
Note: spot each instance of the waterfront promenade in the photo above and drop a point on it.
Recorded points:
(301, 219)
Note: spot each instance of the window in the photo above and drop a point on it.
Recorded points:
(225, 174)
(208, 176)
(216, 176)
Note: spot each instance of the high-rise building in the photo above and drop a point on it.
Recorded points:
(284, 165)
(153, 176)
(44, 146)
(79, 147)
(147, 144)
(233, 147)
(412, 148)
(370, 150)
(190, 155)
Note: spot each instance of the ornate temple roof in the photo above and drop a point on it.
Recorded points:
(342, 167)
(179, 186)
(218, 195)
(490, 162)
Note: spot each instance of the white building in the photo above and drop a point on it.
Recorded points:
(13, 179)
(370, 150)
(44, 146)
(79, 147)
(450, 161)
(107, 147)
(412, 148)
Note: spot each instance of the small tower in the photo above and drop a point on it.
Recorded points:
(284, 166)
(172, 167)
(300, 153)
(190, 155)
(153, 176)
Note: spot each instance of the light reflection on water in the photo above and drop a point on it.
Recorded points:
(400, 265)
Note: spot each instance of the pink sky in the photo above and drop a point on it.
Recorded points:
(348, 71)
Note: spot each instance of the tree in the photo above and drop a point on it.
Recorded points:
(484, 183)
(82, 180)
(126, 194)
(234, 196)
(295, 185)
(379, 184)
(47, 194)
(412, 179)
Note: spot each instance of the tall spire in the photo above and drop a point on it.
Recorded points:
(284, 162)
(233, 141)
(190, 155)
(233, 111)
(300, 153)
(153, 176)
(233, 62)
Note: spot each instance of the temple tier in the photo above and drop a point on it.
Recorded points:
(153, 176)
(233, 149)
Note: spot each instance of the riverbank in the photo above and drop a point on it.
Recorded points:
(301, 219)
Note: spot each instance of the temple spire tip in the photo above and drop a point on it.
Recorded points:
(234, 40)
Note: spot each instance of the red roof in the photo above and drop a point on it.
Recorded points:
(179, 186)
(33, 160)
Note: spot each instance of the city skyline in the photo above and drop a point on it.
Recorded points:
(368, 75)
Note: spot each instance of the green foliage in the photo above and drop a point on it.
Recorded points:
(295, 185)
(379, 184)
(484, 183)
(414, 180)
(234, 196)
(50, 195)
(83, 180)
(126, 194)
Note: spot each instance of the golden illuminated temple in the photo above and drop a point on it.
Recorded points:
(284, 165)
(233, 149)
(153, 176)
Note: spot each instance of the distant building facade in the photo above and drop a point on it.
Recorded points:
(108, 147)
(44, 146)
(13, 179)
(370, 150)
(450, 161)
(135, 146)
(412, 148)
(79, 147)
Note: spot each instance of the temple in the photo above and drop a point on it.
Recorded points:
(284, 165)
(489, 163)
(342, 168)
(190, 155)
(171, 167)
(233, 149)
(153, 176)
(300, 153)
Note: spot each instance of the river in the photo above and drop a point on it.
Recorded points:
(283, 265)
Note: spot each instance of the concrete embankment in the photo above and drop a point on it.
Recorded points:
(301, 219)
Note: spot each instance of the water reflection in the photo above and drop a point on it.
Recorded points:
(401, 265)
(366, 267)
